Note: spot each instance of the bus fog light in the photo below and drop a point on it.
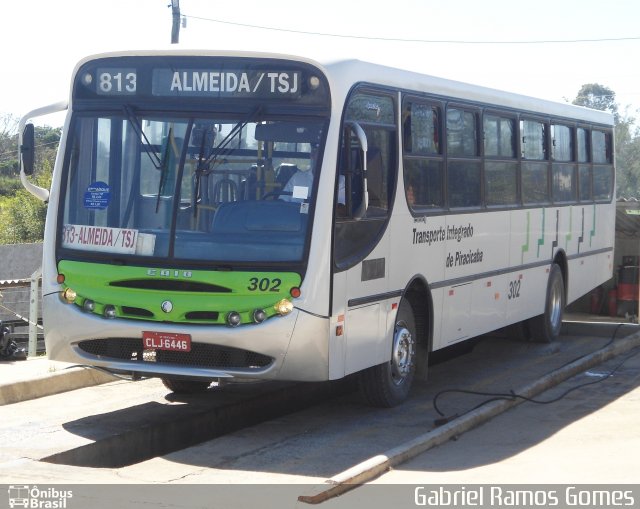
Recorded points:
(259, 316)
(88, 305)
(233, 319)
(109, 311)
(284, 307)
(69, 295)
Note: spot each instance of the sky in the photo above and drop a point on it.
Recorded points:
(503, 44)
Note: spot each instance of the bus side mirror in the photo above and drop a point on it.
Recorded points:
(27, 149)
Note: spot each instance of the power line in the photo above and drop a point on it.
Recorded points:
(399, 39)
(15, 152)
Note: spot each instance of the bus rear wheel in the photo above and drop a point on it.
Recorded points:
(179, 386)
(388, 384)
(545, 328)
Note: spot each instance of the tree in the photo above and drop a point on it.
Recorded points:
(627, 136)
(627, 139)
(22, 216)
(597, 97)
(8, 146)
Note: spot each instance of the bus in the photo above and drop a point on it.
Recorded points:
(221, 215)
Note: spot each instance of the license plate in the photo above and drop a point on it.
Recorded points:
(166, 341)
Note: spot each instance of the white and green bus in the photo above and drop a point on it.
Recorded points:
(218, 215)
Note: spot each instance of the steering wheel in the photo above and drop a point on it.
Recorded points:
(276, 194)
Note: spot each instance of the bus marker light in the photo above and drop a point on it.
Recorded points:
(109, 311)
(314, 82)
(295, 292)
(259, 316)
(394, 306)
(233, 319)
(69, 295)
(339, 330)
(284, 307)
(88, 305)
(60, 279)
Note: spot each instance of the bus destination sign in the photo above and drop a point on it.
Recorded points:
(165, 82)
(227, 82)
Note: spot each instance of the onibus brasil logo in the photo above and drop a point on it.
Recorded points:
(36, 498)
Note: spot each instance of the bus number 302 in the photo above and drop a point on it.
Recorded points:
(514, 289)
(264, 285)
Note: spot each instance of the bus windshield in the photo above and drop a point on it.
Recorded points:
(233, 188)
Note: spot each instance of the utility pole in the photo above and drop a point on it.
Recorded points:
(175, 28)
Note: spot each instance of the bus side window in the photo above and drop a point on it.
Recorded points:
(534, 169)
(464, 167)
(423, 160)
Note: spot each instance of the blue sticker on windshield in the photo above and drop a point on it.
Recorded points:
(97, 196)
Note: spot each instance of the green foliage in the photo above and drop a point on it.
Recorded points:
(627, 137)
(9, 185)
(8, 148)
(22, 216)
(627, 157)
(597, 97)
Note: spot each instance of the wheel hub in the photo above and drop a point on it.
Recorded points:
(402, 354)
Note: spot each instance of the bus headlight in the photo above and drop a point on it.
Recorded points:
(109, 311)
(259, 316)
(88, 305)
(69, 295)
(284, 307)
(233, 319)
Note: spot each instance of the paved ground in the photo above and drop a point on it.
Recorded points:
(592, 435)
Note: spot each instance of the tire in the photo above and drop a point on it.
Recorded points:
(545, 328)
(388, 384)
(186, 386)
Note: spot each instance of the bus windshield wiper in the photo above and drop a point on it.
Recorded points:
(148, 148)
(204, 164)
(237, 129)
(164, 165)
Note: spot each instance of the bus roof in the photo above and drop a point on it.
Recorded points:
(349, 71)
(344, 74)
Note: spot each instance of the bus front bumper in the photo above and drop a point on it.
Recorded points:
(292, 347)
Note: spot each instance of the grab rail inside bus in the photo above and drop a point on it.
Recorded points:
(362, 139)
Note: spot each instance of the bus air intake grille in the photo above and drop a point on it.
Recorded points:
(202, 315)
(142, 313)
(170, 285)
(201, 354)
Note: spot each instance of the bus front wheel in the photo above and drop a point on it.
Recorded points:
(388, 384)
(545, 328)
